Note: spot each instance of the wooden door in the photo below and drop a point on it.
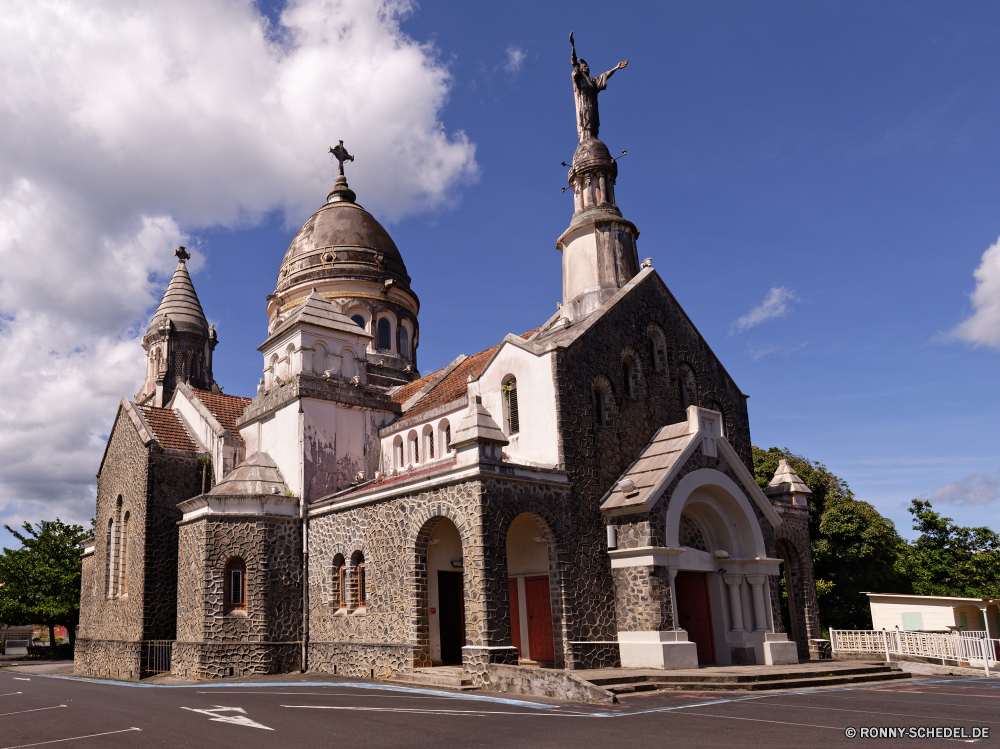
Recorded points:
(695, 612)
(536, 591)
(451, 616)
(515, 617)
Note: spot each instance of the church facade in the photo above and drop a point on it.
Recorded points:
(580, 495)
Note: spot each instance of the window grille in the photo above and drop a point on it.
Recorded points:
(236, 585)
(342, 592)
(447, 438)
(362, 593)
(430, 446)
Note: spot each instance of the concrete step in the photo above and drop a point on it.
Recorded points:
(623, 690)
(707, 675)
(434, 677)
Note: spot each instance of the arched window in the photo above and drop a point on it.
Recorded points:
(397, 452)
(657, 347)
(109, 552)
(444, 436)
(116, 555)
(384, 334)
(428, 437)
(404, 342)
(359, 320)
(511, 416)
(319, 358)
(628, 377)
(604, 402)
(236, 585)
(688, 387)
(361, 592)
(414, 446)
(338, 591)
(123, 573)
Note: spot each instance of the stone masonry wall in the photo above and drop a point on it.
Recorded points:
(792, 538)
(263, 638)
(393, 631)
(642, 599)
(596, 456)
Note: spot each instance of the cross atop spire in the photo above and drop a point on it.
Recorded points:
(181, 254)
(341, 155)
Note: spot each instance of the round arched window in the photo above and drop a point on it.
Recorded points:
(384, 334)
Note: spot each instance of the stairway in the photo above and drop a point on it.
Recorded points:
(704, 680)
(449, 677)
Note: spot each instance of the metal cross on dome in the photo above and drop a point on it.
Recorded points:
(341, 155)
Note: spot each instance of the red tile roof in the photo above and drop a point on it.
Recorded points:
(226, 408)
(409, 389)
(455, 385)
(167, 429)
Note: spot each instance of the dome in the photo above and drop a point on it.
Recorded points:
(592, 153)
(341, 241)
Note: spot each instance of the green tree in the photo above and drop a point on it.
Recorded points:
(855, 549)
(41, 580)
(951, 560)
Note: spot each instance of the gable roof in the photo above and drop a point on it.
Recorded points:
(319, 312)
(645, 481)
(167, 429)
(225, 408)
(453, 386)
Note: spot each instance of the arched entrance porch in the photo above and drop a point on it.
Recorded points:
(530, 590)
(438, 584)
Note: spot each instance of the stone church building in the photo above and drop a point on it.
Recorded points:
(580, 495)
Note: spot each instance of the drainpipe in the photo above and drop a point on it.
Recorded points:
(304, 518)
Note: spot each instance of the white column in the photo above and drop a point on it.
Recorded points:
(735, 604)
(759, 611)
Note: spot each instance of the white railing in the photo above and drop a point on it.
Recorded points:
(966, 648)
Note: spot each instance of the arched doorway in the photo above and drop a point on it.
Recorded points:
(530, 593)
(445, 594)
(792, 608)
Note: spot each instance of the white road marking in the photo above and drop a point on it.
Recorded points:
(429, 711)
(20, 678)
(72, 738)
(236, 720)
(35, 710)
(9, 694)
(897, 715)
(762, 720)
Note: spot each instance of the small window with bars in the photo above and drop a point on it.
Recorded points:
(512, 418)
(236, 585)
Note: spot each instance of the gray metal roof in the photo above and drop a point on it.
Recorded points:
(258, 474)
(180, 303)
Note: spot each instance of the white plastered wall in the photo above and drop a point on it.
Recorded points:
(580, 262)
(437, 424)
(537, 441)
(887, 613)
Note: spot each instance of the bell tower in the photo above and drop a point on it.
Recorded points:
(178, 343)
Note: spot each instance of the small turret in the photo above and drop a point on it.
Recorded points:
(179, 341)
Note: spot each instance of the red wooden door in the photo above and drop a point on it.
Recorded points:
(695, 613)
(515, 617)
(536, 591)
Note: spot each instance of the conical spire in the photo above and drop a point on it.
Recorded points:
(180, 302)
(786, 481)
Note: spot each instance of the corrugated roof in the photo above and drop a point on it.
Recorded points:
(168, 429)
(226, 408)
(454, 386)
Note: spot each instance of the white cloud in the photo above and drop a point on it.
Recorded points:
(982, 328)
(127, 125)
(977, 489)
(775, 304)
(515, 59)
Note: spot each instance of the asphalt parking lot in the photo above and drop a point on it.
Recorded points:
(306, 711)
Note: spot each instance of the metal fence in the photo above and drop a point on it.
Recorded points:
(156, 656)
(977, 650)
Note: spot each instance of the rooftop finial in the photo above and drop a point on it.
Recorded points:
(182, 254)
(341, 193)
(341, 155)
(588, 122)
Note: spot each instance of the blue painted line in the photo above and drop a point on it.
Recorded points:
(300, 684)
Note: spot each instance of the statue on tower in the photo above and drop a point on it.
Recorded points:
(585, 88)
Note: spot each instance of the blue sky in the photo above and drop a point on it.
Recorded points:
(831, 165)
